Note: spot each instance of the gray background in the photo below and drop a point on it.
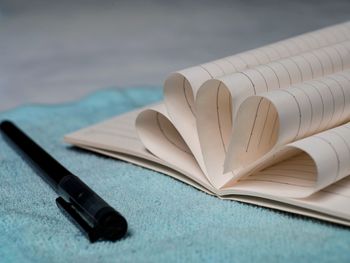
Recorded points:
(55, 51)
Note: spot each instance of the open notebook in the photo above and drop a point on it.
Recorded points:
(268, 126)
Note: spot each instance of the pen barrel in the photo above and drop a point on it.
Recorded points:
(92, 207)
(47, 167)
(89, 211)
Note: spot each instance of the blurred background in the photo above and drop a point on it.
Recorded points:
(58, 51)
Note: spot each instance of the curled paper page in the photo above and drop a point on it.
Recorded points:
(267, 126)
(180, 88)
(189, 93)
(281, 116)
(160, 137)
(219, 99)
(301, 168)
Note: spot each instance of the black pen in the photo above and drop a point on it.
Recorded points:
(97, 219)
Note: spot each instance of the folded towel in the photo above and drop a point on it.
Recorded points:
(168, 221)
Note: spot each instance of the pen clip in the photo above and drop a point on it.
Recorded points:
(72, 214)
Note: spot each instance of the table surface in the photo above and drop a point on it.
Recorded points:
(55, 51)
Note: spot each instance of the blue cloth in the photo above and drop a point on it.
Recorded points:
(169, 221)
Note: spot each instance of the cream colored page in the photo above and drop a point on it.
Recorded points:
(104, 136)
(116, 134)
(156, 166)
(180, 89)
(301, 168)
(267, 122)
(119, 135)
(161, 138)
(317, 62)
(333, 200)
(330, 152)
(218, 100)
(281, 116)
(288, 207)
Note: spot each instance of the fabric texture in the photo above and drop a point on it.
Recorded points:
(169, 221)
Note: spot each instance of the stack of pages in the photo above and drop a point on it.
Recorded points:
(269, 126)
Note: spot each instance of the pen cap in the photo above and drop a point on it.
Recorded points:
(105, 222)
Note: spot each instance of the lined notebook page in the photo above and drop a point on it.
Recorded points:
(281, 116)
(118, 135)
(333, 201)
(161, 138)
(303, 167)
(218, 100)
(314, 177)
(181, 88)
